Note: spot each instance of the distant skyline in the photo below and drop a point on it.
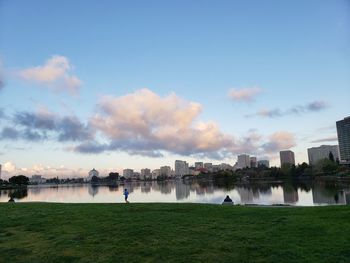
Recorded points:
(139, 84)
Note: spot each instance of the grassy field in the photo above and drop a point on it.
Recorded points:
(38, 232)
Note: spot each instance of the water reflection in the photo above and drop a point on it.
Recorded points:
(200, 191)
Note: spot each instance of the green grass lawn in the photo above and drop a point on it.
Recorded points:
(39, 232)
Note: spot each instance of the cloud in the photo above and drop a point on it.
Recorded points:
(279, 141)
(314, 106)
(55, 74)
(328, 139)
(245, 94)
(43, 124)
(145, 123)
(10, 169)
(9, 133)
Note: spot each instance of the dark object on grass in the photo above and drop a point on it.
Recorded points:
(227, 201)
(11, 200)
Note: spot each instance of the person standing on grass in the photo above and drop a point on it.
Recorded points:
(126, 194)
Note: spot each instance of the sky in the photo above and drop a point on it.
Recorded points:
(139, 84)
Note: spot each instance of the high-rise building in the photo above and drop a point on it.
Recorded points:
(287, 157)
(208, 166)
(243, 161)
(181, 168)
(265, 163)
(343, 130)
(253, 162)
(317, 153)
(146, 174)
(165, 171)
(128, 173)
(198, 165)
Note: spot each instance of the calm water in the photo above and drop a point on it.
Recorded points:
(295, 193)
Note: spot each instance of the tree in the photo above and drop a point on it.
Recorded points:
(112, 176)
(94, 179)
(331, 156)
(19, 180)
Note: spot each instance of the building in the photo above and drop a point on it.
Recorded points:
(37, 179)
(208, 167)
(128, 173)
(155, 173)
(198, 165)
(165, 171)
(146, 174)
(253, 162)
(92, 173)
(243, 161)
(318, 153)
(265, 163)
(343, 131)
(287, 157)
(181, 168)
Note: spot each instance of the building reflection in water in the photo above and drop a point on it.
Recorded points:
(290, 194)
(327, 193)
(93, 190)
(202, 191)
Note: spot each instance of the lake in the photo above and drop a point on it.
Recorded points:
(299, 193)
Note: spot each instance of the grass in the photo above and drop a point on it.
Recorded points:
(44, 232)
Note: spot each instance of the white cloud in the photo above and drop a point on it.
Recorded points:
(55, 74)
(245, 94)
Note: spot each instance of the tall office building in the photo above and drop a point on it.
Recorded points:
(146, 174)
(243, 161)
(165, 171)
(265, 163)
(318, 153)
(343, 130)
(287, 157)
(253, 162)
(181, 168)
(128, 173)
(198, 165)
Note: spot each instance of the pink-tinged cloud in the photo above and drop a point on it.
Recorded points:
(144, 121)
(55, 74)
(279, 141)
(245, 94)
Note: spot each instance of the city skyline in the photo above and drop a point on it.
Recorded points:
(136, 85)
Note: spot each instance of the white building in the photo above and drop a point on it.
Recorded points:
(155, 173)
(253, 162)
(198, 165)
(128, 173)
(225, 166)
(317, 153)
(92, 173)
(37, 179)
(181, 168)
(208, 166)
(146, 174)
(165, 171)
(265, 163)
(243, 161)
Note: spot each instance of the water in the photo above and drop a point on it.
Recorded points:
(307, 193)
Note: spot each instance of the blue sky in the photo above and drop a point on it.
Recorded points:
(62, 59)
